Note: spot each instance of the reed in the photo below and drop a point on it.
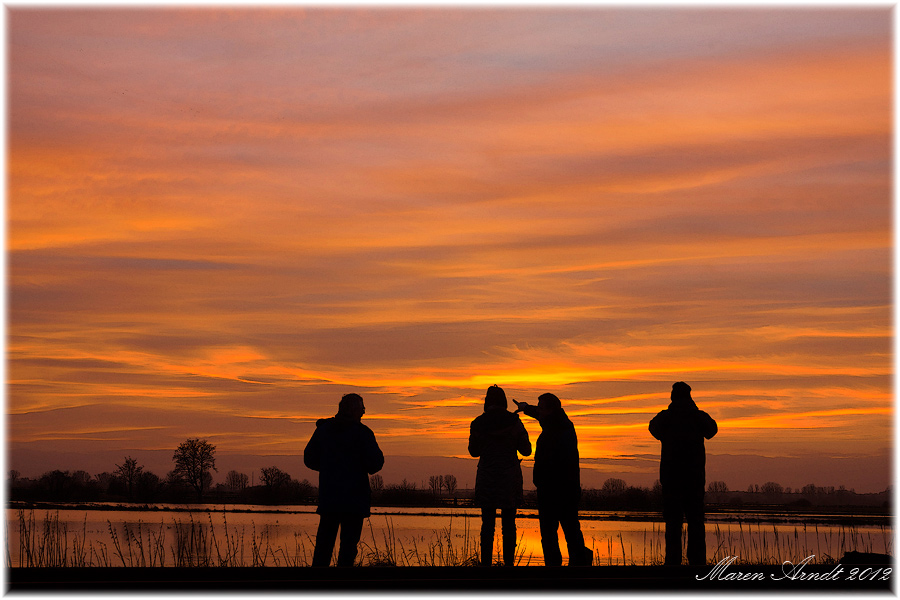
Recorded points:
(757, 544)
(449, 548)
(47, 544)
(445, 549)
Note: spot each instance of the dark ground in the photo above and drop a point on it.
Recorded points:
(815, 579)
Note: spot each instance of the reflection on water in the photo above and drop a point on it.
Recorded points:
(281, 536)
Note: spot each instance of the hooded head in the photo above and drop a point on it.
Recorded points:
(495, 398)
(681, 396)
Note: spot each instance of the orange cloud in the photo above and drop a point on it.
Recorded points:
(210, 236)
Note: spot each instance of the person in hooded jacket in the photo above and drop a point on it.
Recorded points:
(682, 428)
(345, 453)
(495, 437)
(557, 479)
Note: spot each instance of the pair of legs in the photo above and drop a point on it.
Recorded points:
(679, 504)
(351, 528)
(555, 512)
(508, 533)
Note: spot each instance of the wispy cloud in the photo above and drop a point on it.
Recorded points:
(221, 220)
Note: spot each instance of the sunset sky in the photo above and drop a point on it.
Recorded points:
(220, 220)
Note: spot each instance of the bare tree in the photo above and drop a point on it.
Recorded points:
(376, 482)
(81, 477)
(147, 486)
(613, 486)
(236, 482)
(193, 460)
(129, 471)
(436, 483)
(717, 487)
(104, 479)
(771, 489)
(450, 483)
(273, 477)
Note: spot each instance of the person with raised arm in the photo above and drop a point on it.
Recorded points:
(557, 478)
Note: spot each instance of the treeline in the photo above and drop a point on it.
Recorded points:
(808, 496)
(194, 460)
(149, 488)
(189, 480)
(131, 483)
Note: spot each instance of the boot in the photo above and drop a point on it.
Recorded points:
(584, 557)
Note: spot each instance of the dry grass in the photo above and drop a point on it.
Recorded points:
(756, 543)
(197, 543)
(446, 548)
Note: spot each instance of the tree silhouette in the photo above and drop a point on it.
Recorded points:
(193, 460)
(614, 486)
(236, 482)
(772, 489)
(436, 483)
(274, 478)
(377, 482)
(450, 483)
(130, 473)
(81, 478)
(148, 486)
(716, 487)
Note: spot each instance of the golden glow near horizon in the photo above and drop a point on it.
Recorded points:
(219, 221)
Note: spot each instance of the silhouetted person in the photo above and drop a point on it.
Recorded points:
(682, 428)
(558, 481)
(345, 453)
(494, 437)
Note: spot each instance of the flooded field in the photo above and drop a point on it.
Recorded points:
(243, 535)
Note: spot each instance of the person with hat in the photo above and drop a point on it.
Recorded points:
(682, 429)
(495, 438)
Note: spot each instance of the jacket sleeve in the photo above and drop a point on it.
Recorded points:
(474, 441)
(709, 426)
(374, 457)
(523, 444)
(529, 409)
(657, 426)
(572, 466)
(312, 454)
